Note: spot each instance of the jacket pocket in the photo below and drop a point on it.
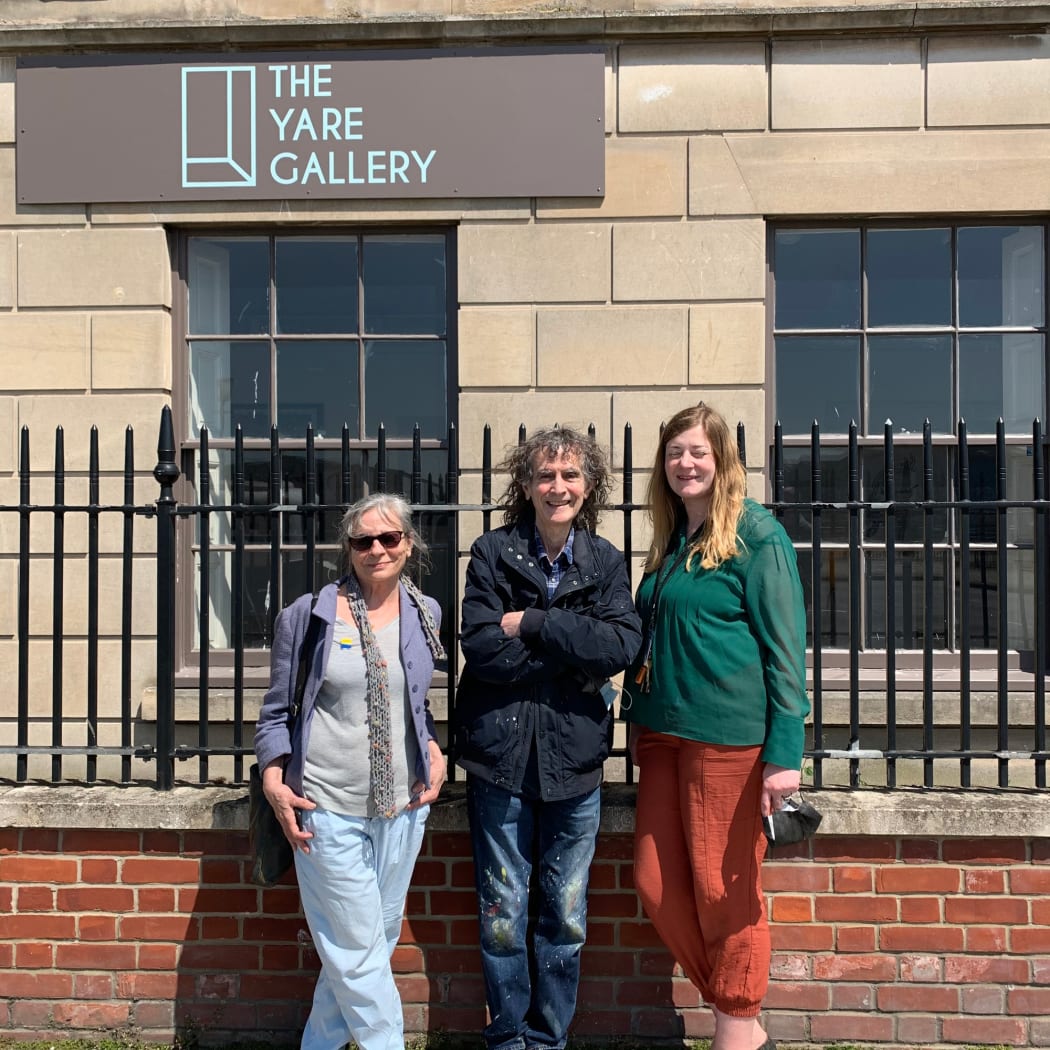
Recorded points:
(489, 728)
(587, 727)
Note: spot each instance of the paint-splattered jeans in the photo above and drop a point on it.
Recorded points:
(531, 996)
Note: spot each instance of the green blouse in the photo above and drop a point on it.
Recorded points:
(729, 647)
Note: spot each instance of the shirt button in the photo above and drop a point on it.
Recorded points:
(415, 689)
(409, 665)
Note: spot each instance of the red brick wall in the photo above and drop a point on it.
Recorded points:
(907, 941)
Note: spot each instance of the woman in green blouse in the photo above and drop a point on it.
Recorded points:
(717, 709)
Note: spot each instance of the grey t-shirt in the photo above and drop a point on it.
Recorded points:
(336, 774)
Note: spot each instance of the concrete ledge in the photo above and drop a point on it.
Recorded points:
(972, 813)
(129, 28)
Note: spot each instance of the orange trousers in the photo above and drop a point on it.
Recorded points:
(698, 851)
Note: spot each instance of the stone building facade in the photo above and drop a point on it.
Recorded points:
(832, 210)
(726, 128)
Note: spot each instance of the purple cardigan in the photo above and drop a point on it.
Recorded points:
(271, 731)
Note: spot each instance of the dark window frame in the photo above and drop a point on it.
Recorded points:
(256, 660)
(872, 660)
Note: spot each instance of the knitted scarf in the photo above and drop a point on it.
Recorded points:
(377, 690)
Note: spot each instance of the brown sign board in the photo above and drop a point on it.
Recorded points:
(177, 127)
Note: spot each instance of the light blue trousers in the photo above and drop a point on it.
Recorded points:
(353, 884)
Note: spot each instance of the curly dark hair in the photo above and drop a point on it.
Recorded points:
(550, 443)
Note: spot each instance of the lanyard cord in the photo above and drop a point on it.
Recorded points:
(645, 670)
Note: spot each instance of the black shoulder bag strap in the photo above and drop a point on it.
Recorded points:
(313, 629)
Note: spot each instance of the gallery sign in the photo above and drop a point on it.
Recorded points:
(485, 123)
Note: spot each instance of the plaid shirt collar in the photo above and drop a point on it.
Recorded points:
(556, 569)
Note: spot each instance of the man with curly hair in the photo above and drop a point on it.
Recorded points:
(548, 616)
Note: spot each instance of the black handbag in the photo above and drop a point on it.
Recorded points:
(794, 822)
(271, 851)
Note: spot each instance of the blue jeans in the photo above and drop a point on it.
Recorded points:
(531, 1001)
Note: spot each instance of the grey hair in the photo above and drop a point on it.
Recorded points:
(391, 506)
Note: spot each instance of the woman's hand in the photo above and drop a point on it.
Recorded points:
(511, 624)
(285, 802)
(778, 783)
(423, 795)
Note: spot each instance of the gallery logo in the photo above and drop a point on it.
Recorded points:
(218, 126)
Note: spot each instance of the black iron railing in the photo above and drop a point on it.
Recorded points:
(928, 651)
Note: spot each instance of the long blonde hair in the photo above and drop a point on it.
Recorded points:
(718, 540)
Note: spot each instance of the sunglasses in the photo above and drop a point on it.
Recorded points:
(389, 541)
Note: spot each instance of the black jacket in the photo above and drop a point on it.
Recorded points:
(546, 684)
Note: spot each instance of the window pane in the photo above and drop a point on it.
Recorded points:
(982, 525)
(798, 488)
(817, 278)
(255, 598)
(317, 382)
(404, 281)
(909, 599)
(230, 385)
(908, 523)
(818, 377)
(435, 578)
(1001, 276)
(1001, 375)
(911, 381)
(978, 594)
(433, 473)
(834, 596)
(220, 494)
(1020, 599)
(229, 283)
(909, 274)
(328, 491)
(316, 285)
(405, 384)
(982, 591)
(328, 567)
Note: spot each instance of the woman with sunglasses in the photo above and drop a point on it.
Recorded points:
(352, 785)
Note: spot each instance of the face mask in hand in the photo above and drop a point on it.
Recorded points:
(794, 821)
